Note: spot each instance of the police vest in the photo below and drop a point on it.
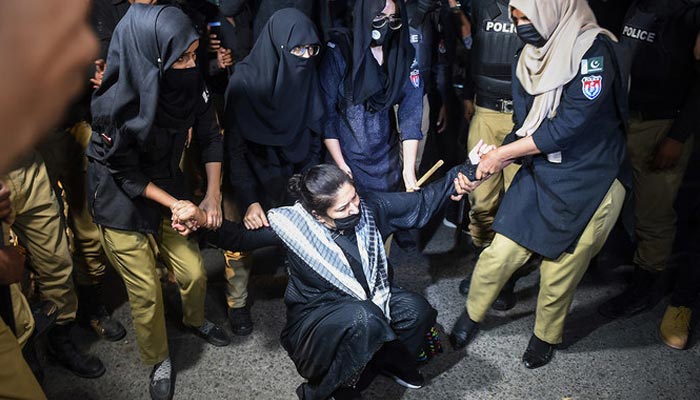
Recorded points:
(495, 45)
(658, 53)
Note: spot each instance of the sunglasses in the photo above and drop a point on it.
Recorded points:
(394, 21)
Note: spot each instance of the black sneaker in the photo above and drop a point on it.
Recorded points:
(212, 334)
(162, 381)
(408, 377)
(63, 350)
(240, 320)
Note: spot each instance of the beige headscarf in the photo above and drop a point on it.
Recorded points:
(570, 28)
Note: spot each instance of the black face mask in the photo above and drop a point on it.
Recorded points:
(180, 91)
(348, 222)
(528, 34)
(380, 35)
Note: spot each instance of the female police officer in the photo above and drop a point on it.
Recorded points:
(569, 102)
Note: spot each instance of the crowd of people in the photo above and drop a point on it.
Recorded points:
(302, 125)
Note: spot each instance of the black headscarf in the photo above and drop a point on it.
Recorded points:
(273, 97)
(145, 44)
(378, 87)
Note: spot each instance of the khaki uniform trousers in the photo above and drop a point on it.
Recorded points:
(16, 379)
(64, 155)
(37, 222)
(132, 256)
(237, 274)
(238, 264)
(654, 192)
(491, 127)
(558, 278)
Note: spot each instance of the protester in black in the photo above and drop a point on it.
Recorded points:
(151, 95)
(272, 119)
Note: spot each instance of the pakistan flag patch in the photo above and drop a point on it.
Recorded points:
(592, 65)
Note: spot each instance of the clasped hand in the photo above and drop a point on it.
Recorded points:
(187, 217)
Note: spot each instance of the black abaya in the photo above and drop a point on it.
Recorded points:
(332, 336)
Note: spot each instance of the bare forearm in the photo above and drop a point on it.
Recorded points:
(409, 152)
(519, 148)
(333, 146)
(159, 195)
(213, 170)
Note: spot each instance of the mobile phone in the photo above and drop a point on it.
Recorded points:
(215, 28)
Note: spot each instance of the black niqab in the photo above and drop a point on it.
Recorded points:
(145, 44)
(273, 98)
(378, 87)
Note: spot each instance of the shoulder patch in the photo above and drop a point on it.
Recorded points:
(415, 77)
(592, 65)
(592, 86)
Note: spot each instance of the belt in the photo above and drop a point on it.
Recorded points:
(495, 104)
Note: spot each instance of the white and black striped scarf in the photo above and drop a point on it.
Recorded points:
(311, 241)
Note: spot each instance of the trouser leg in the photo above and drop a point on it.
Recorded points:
(131, 255)
(183, 257)
(237, 272)
(16, 378)
(64, 155)
(39, 227)
(491, 127)
(495, 266)
(559, 278)
(654, 193)
(411, 318)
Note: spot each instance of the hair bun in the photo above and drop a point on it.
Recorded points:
(294, 185)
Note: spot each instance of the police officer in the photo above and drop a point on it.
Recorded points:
(659, 37)
(36, 220)
(569, 105)
(495, 43)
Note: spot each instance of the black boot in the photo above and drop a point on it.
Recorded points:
(538, 353)
(636, 298)
(93, 313)
(63, 350)
(240, 320)
(463, 331)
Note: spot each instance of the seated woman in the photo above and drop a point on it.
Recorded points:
(346, 322)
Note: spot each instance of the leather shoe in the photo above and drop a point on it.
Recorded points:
(212, 334)
(538, 353)
(463, 332)
(162, 381)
